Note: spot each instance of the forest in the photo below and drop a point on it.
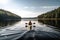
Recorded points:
(7, 17)
(51, 17)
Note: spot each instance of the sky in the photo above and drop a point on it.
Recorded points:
(29, 8)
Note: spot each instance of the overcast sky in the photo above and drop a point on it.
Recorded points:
(29, 8)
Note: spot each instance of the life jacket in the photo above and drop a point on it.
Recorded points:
(30, 23)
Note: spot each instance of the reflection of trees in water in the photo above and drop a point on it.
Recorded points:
(50, 22)
(8, 22)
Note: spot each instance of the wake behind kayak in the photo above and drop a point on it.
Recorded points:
(39, 35)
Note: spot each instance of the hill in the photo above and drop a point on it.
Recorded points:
(51, 18)
(6, 15)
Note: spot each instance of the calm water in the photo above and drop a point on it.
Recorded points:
(6, 23)
(20, 26)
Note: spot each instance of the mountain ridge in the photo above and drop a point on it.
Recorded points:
(8, 15)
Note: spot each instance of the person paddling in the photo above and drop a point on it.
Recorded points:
(30, 24)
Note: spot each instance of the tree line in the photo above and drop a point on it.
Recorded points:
(51, 17)
(6, 15)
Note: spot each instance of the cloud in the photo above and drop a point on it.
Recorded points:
(24, 11)
(4, 2)
(49, 7)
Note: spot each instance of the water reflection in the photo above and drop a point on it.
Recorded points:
(55, 23)
(5, 23)
(50, 23)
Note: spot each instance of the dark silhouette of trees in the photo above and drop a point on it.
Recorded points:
(51, 18)
(6, 16)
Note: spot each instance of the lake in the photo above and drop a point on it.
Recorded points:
(19, 27)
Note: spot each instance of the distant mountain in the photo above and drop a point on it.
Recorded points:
(30, 18)
(51, 18)
(6, 15)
